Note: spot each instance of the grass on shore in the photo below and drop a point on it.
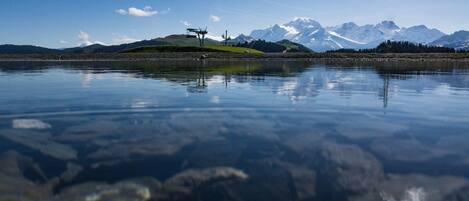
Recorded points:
(209, 48)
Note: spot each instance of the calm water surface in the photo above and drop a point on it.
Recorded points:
(249, 131)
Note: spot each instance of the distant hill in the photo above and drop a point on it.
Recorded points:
(25, 49)
(274, 47)
(400, 47)
(458, 40)
(172, 40)
(169, 43)
(86, 49)
(209, 48)
(293, 47)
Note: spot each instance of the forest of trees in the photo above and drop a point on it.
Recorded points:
(263, 46)
(400, 47)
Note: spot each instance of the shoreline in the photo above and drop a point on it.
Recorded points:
(187, 56)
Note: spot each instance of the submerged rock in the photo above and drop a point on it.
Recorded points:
(304, 180)
(415, 188)
(186, 181)
(15, 186)
(122, 191)
(406, 150)
(459, 195)
(352, 168)
(179, 187)
(41, 141)
(72, 171)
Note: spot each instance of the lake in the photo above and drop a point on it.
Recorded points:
(234, 130)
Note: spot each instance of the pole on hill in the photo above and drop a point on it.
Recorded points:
(226, 38)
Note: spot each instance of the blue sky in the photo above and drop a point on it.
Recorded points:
(67, 23)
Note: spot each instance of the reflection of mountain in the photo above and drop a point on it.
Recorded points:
(295, 79)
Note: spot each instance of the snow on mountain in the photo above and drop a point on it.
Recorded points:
(274, 33)
(348, 35)
(418, 34)
(306, 32)
(241, 39)
(364, 34)
(457, 40)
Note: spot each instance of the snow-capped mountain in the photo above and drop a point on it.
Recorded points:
(418, 34)
(348, 35)
(306, 32)
(457, 40)
(241, 39)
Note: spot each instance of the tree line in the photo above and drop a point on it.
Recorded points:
(400, 47)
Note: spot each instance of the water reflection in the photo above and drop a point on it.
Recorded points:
(231, 130)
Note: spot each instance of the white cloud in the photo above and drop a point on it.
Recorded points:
(30, 124)
(85, 39)
(63, 42)
(147, 11)
(185, 23)
(123, 39)
(121, 11)
(215, 18)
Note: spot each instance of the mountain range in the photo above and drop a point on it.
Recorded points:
(313, 35)
(296, 35)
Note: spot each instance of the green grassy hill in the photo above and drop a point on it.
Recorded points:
(183, 40)
(209, 48)
(172, 40)
(234, 49)
(293, 47)
(277, 47)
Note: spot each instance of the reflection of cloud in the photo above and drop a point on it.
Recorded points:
(88, 78)
(30, 124)
(138, 104)
(359, 127)
(215, 99)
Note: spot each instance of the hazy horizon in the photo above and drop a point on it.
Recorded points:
(59, 24)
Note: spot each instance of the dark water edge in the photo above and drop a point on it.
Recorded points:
(229, 56)
(301, 129)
